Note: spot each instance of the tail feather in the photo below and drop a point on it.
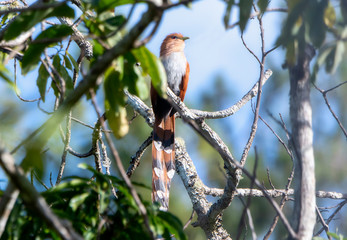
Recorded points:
(163, 164)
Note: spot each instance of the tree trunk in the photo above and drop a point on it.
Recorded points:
(304, 216)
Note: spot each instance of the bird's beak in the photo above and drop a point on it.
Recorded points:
(185, 38)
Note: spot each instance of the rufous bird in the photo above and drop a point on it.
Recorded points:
(163, 145)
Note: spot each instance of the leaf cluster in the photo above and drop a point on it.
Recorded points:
(94, 212)
(311, 22)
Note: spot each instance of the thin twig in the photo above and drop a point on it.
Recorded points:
(135, 159)
(324, 93)
(332, 216)
(15, 83)
(66, 147)
(189, 220)
(321, 219)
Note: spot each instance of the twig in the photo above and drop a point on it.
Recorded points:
(135, 159)
(35, 6)
(15, 83)
(149, 37)
(332, 216)
(39, 180)
(324, 93)
(80, 155)
(257, 13)
(87, 125)
(247, 205)
(189, 220)
(321, 219)
(66, 147)
(269, 178)
(85, 46)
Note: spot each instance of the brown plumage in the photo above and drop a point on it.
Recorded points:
(163, 146)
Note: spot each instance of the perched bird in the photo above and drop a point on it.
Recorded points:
(163, 146)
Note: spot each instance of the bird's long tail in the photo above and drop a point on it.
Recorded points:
(163, 154)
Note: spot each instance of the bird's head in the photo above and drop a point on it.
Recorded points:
(173, 43)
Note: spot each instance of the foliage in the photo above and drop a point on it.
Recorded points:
(89, 204)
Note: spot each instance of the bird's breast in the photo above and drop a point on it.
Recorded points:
(175, 66)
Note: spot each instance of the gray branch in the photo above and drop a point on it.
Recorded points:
(246, 192)
(304, 215)
(186, 170)
(85, 46)
(236, 107)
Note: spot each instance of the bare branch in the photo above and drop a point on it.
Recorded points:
(324, 93)
(66, 147)
(139, 106)
(187, 172)
(257, 13)
(85, 46)
(274, 193)
(325, 226)
(135, 159)
(236, 107)
(332, 216)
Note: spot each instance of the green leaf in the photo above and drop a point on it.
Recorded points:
(41, 81)
(228, 13)
(114, 88)
(173, 225)
(262, 4)
(33, 160)
(62, 72)
(115, 101)
(27, 20)
(152, 66)
(74, 63)
(293, 22)
(115, 21)
(104, 5)
(118, 122)
(329, 16)
(4, 75)
(335, 57)
(46, 38)
(245, 12)
(78, 200)
(315, 22)
(67, 62)
(321, 59)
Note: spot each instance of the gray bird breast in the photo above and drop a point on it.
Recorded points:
(175, 65)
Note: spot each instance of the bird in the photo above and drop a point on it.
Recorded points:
(163, 144)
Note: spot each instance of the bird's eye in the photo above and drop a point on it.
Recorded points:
(174, 37)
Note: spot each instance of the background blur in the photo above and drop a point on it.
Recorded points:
(222, 71)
